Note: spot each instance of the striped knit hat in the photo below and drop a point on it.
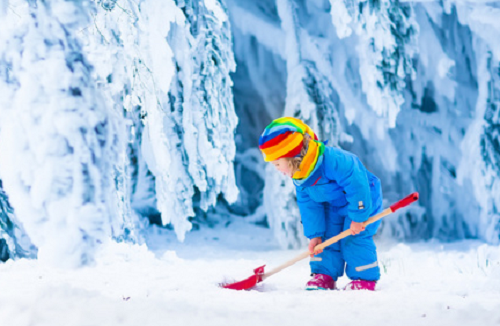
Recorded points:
(284, 138)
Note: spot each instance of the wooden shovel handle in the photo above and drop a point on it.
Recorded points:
(347, 232)
(394, 207)
(402, 203)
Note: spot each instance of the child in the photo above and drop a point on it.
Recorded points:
(335, 192)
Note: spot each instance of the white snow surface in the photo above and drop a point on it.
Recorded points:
(422, 284)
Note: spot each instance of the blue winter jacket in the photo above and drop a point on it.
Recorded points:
(340, 182)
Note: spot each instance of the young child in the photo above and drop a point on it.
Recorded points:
(335, 192)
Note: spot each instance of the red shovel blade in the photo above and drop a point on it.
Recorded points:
(247, 283)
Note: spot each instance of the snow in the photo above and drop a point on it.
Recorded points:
(158, 68)
(268, 33)
(59, 138)
(116, 112)
(340, 18)
(422, 284)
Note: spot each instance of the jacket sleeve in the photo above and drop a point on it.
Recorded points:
(312, 213)
(348, 171)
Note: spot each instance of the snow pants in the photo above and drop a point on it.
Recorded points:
(357, 254)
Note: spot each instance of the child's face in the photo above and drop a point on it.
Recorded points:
(283, 166)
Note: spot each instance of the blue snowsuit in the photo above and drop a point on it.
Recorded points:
(338, 191)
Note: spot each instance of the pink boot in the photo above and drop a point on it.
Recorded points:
(361, 285)
(321, 282)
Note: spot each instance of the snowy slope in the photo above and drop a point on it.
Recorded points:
(422, 284)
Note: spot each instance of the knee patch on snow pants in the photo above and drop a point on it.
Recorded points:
(360, 255)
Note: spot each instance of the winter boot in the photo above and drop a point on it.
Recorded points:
(361, 285)
(321, 282)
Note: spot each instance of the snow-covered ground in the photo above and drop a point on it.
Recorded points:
(178, 284)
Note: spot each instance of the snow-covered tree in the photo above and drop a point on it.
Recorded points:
(480, 165)
(111, 42)
(168, 66)
(58, 138)
(490, 150)
(386, 31)
(201, 114)
(14, 243)
(113, 110)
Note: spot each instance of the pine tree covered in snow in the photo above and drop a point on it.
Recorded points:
(142, 188)
(481, 161)
(111, 42)
(481, 148)
(386, 30)
(188, 116)
(429, 150)
(136, 117)
(201, 106)
(14, 243)
(58, 137)
(490, 150)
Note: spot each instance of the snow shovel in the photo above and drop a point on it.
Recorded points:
(260, 276)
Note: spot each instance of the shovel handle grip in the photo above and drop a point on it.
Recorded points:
(405, 201)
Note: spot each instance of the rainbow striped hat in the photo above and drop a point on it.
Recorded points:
(283, 138)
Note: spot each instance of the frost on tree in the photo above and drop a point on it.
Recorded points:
(199, 118)
(481, 160)
(112, 44)
(490, 150)
(430, 130)
(168, 69)
(14, 243)
(386, 31)
(481, 163)
(137, 72)
(58, 138)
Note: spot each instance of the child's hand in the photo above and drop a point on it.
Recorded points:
(356, 228)
(313, 243)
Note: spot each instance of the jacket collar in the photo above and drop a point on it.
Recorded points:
(313, 177)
